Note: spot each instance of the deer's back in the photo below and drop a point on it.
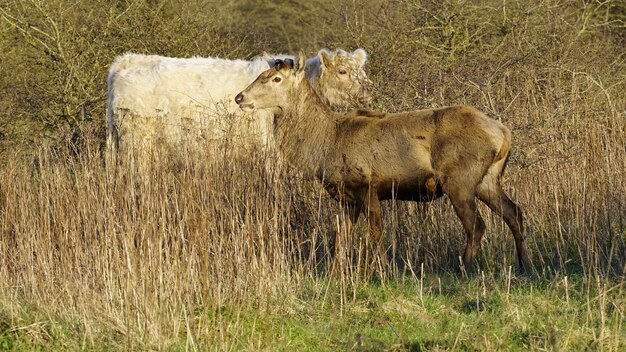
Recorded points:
(407, 148)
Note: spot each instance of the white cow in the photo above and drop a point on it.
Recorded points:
(185, 101)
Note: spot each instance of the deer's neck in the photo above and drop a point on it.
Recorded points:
(305, 130)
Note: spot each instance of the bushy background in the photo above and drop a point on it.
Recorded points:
(509, 58)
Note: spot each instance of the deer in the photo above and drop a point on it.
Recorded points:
(363, 157)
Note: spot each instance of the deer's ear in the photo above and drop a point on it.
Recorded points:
(300, 62)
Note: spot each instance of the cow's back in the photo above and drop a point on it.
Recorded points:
(176, 100)
(151, 85)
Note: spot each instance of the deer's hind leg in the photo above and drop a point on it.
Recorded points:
(464, 203)
(459, 171)
(490, 192)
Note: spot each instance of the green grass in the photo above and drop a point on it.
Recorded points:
(434, 313)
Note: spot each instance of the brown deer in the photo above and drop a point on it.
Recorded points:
(417, 155)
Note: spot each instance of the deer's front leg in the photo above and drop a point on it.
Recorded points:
(374, 217)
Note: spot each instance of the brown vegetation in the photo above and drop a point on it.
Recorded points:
(136, 264)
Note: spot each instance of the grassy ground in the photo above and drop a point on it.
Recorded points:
(429, 313)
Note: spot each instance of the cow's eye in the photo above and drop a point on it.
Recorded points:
(342, 71)
(277, 79)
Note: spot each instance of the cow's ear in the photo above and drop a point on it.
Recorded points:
(361, 56)
(300, 62)
(325, 60)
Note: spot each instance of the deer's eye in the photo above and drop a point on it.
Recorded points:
(277, 79)
(342, 71)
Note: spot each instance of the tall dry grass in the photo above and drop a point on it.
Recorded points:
(137, 258)
(147, 253)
